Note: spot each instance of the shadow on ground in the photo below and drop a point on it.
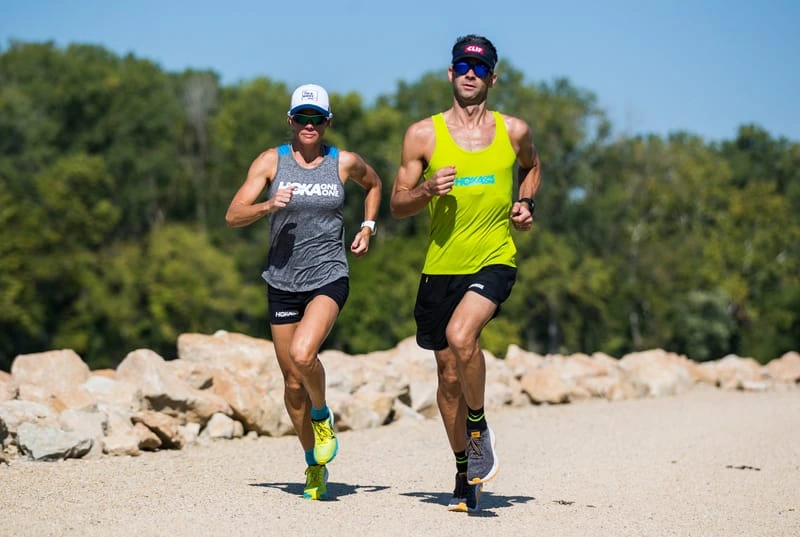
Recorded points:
(335, 490)
(488, 501)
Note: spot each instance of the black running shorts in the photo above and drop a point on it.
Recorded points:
(286, 307)
(438, 296)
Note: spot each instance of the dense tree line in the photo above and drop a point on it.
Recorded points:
(115, 176)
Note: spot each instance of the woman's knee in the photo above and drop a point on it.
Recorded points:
(304, 358)
(293, 385)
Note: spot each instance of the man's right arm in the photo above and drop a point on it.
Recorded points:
(409, 196)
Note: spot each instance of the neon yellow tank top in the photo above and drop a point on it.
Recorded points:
(470, 226)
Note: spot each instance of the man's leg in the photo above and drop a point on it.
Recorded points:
(463, 337)
(453, 410)
(450, 398)
(437, 297)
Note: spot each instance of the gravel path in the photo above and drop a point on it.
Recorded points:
(707, 463)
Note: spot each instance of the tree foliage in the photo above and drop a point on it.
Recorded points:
(115, 176)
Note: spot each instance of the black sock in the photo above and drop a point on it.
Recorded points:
(461, 461)
(476, 420)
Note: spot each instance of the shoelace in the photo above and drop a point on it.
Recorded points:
(322, 430)
(316, 475)
(475, 447)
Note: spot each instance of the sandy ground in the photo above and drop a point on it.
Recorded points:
(706, 463)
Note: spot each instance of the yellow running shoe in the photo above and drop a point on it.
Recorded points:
(316, 483)
(326, 445)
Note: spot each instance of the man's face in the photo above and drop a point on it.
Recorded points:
(471, 80)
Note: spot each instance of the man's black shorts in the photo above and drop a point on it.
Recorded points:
(438, 296)
(286, 307)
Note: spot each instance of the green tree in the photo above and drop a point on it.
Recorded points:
(380, 310)
(560, 296)
(115, 177)
(704, 326)
(145, 294)
(21, 317)
(199, 94)
(55, 245)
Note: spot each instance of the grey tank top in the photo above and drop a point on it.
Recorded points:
(306, 238)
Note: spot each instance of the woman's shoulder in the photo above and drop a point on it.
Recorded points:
(348, 158)
(266, 163)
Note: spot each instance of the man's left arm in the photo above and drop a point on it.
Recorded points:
(528, 174)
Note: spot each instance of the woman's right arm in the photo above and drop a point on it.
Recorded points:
(243, 209)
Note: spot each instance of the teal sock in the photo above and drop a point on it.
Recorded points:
(310, 460)
(319, 414)
(476, 420)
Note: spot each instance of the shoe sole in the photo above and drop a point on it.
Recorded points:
(329, 459)
(495, 467)
(461, 507)
(314, 496)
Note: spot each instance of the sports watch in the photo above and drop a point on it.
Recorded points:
(529, 202)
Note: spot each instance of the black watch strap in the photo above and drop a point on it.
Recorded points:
(529, 202)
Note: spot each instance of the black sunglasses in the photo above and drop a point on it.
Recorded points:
(305, 119)
(481, 70)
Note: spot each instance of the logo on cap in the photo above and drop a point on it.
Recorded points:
(310, 96)
(474, 48)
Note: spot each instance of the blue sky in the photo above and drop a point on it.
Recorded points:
(656, 67)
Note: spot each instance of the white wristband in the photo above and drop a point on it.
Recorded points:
(370, 224)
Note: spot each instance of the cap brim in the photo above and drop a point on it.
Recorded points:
(481, 58)
(316, 108)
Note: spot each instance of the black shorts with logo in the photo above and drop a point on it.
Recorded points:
(286, 307)
(438, 296)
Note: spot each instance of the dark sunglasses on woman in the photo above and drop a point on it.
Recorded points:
(305, 119)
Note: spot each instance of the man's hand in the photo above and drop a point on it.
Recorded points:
(521, 216)
(442, 181)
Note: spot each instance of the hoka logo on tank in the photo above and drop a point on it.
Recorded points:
(475, 180)
(306, 237)
(315, 189)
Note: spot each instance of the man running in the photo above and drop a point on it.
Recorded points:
(465, 157)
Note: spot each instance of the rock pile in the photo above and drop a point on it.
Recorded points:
(227, 385)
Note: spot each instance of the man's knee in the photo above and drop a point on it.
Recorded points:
(464, 344)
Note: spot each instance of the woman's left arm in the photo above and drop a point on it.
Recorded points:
(354, 167)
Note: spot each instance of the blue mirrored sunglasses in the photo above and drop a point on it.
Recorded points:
(481, 70)
(305, 119)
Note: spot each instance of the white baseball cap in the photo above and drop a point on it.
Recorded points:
(311, 96)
